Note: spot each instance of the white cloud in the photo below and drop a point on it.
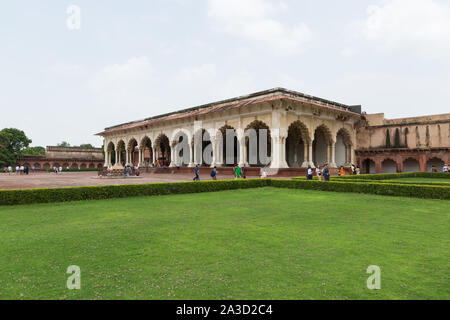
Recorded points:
(251, 19)
(415, 27)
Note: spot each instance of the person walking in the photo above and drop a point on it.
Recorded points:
(197, 175)
(309, 173)
(445, 168)
(9, 170)
(17, 170)
(237, 171)
(319, 173)
(60, 169)
(33, 168)
(214, 173)
(358, 171)
(326, 173)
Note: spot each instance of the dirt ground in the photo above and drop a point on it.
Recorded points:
(72, 179)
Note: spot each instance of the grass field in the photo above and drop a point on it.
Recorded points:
(249, 244)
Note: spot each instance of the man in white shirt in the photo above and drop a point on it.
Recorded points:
(445, 168)
(9, 170)
(17, 170)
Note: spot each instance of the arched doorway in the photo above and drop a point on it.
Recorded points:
(342, 148)
(146, 151)
(437, 163)
(201, 153)
(229, 154)
(120, 153)
(368, 166)
(389, 166)
(411, 165)
(110, 154)
(297, 145)
(182, 149)
(253, 154)
(321, 145)
(133, 153)
(162, 145)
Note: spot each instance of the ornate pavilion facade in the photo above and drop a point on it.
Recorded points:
(303, 131)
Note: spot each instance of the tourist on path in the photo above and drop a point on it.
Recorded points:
(9, 170)
(342, 172)
(309, 173)
(243, 172)
(237, 171)
(445, 168)
(214, 173)
(319, 173)
(17, 170)
(326, 173)
(197, 176)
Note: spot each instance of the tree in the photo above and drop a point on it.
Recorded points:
(86, 145)
(34, 151)
(13, 142)
(63, 144)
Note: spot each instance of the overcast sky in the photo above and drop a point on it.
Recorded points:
(134, 59)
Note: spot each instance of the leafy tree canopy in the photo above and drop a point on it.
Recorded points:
(86, 145)
(13, 142)
(63, 144)
(34, 151)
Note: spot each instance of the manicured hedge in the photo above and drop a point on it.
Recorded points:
(387, 176)
(391, 189)
(29, 196)
(50, 195)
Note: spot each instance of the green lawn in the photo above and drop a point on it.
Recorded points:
(248, 244)
(421, 180)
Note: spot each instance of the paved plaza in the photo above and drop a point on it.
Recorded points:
(73, 179)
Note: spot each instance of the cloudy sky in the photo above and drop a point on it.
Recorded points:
(134, 59)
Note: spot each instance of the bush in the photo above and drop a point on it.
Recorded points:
(29, 196)
(387, 176)
(391, 189)
(45, 195)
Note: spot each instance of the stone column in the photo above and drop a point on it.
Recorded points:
(173, 157)
(242, 152)
(191, 157)
(107, 156)
(305, 163)
(378, 166)
(310, 155)
(118, 160)
(154, 155)
(352, 154)
(214, 151)
(332, 163)
(219, 157)
(278, 161)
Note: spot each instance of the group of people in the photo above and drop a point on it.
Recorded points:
(238, 171)
(325, 172)
(19, 170)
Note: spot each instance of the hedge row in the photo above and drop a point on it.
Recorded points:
(373, 187)
(387, 176)
(50, 195)
(29, 196)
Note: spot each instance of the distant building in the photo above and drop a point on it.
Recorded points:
(71, 157)
(404, 144)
